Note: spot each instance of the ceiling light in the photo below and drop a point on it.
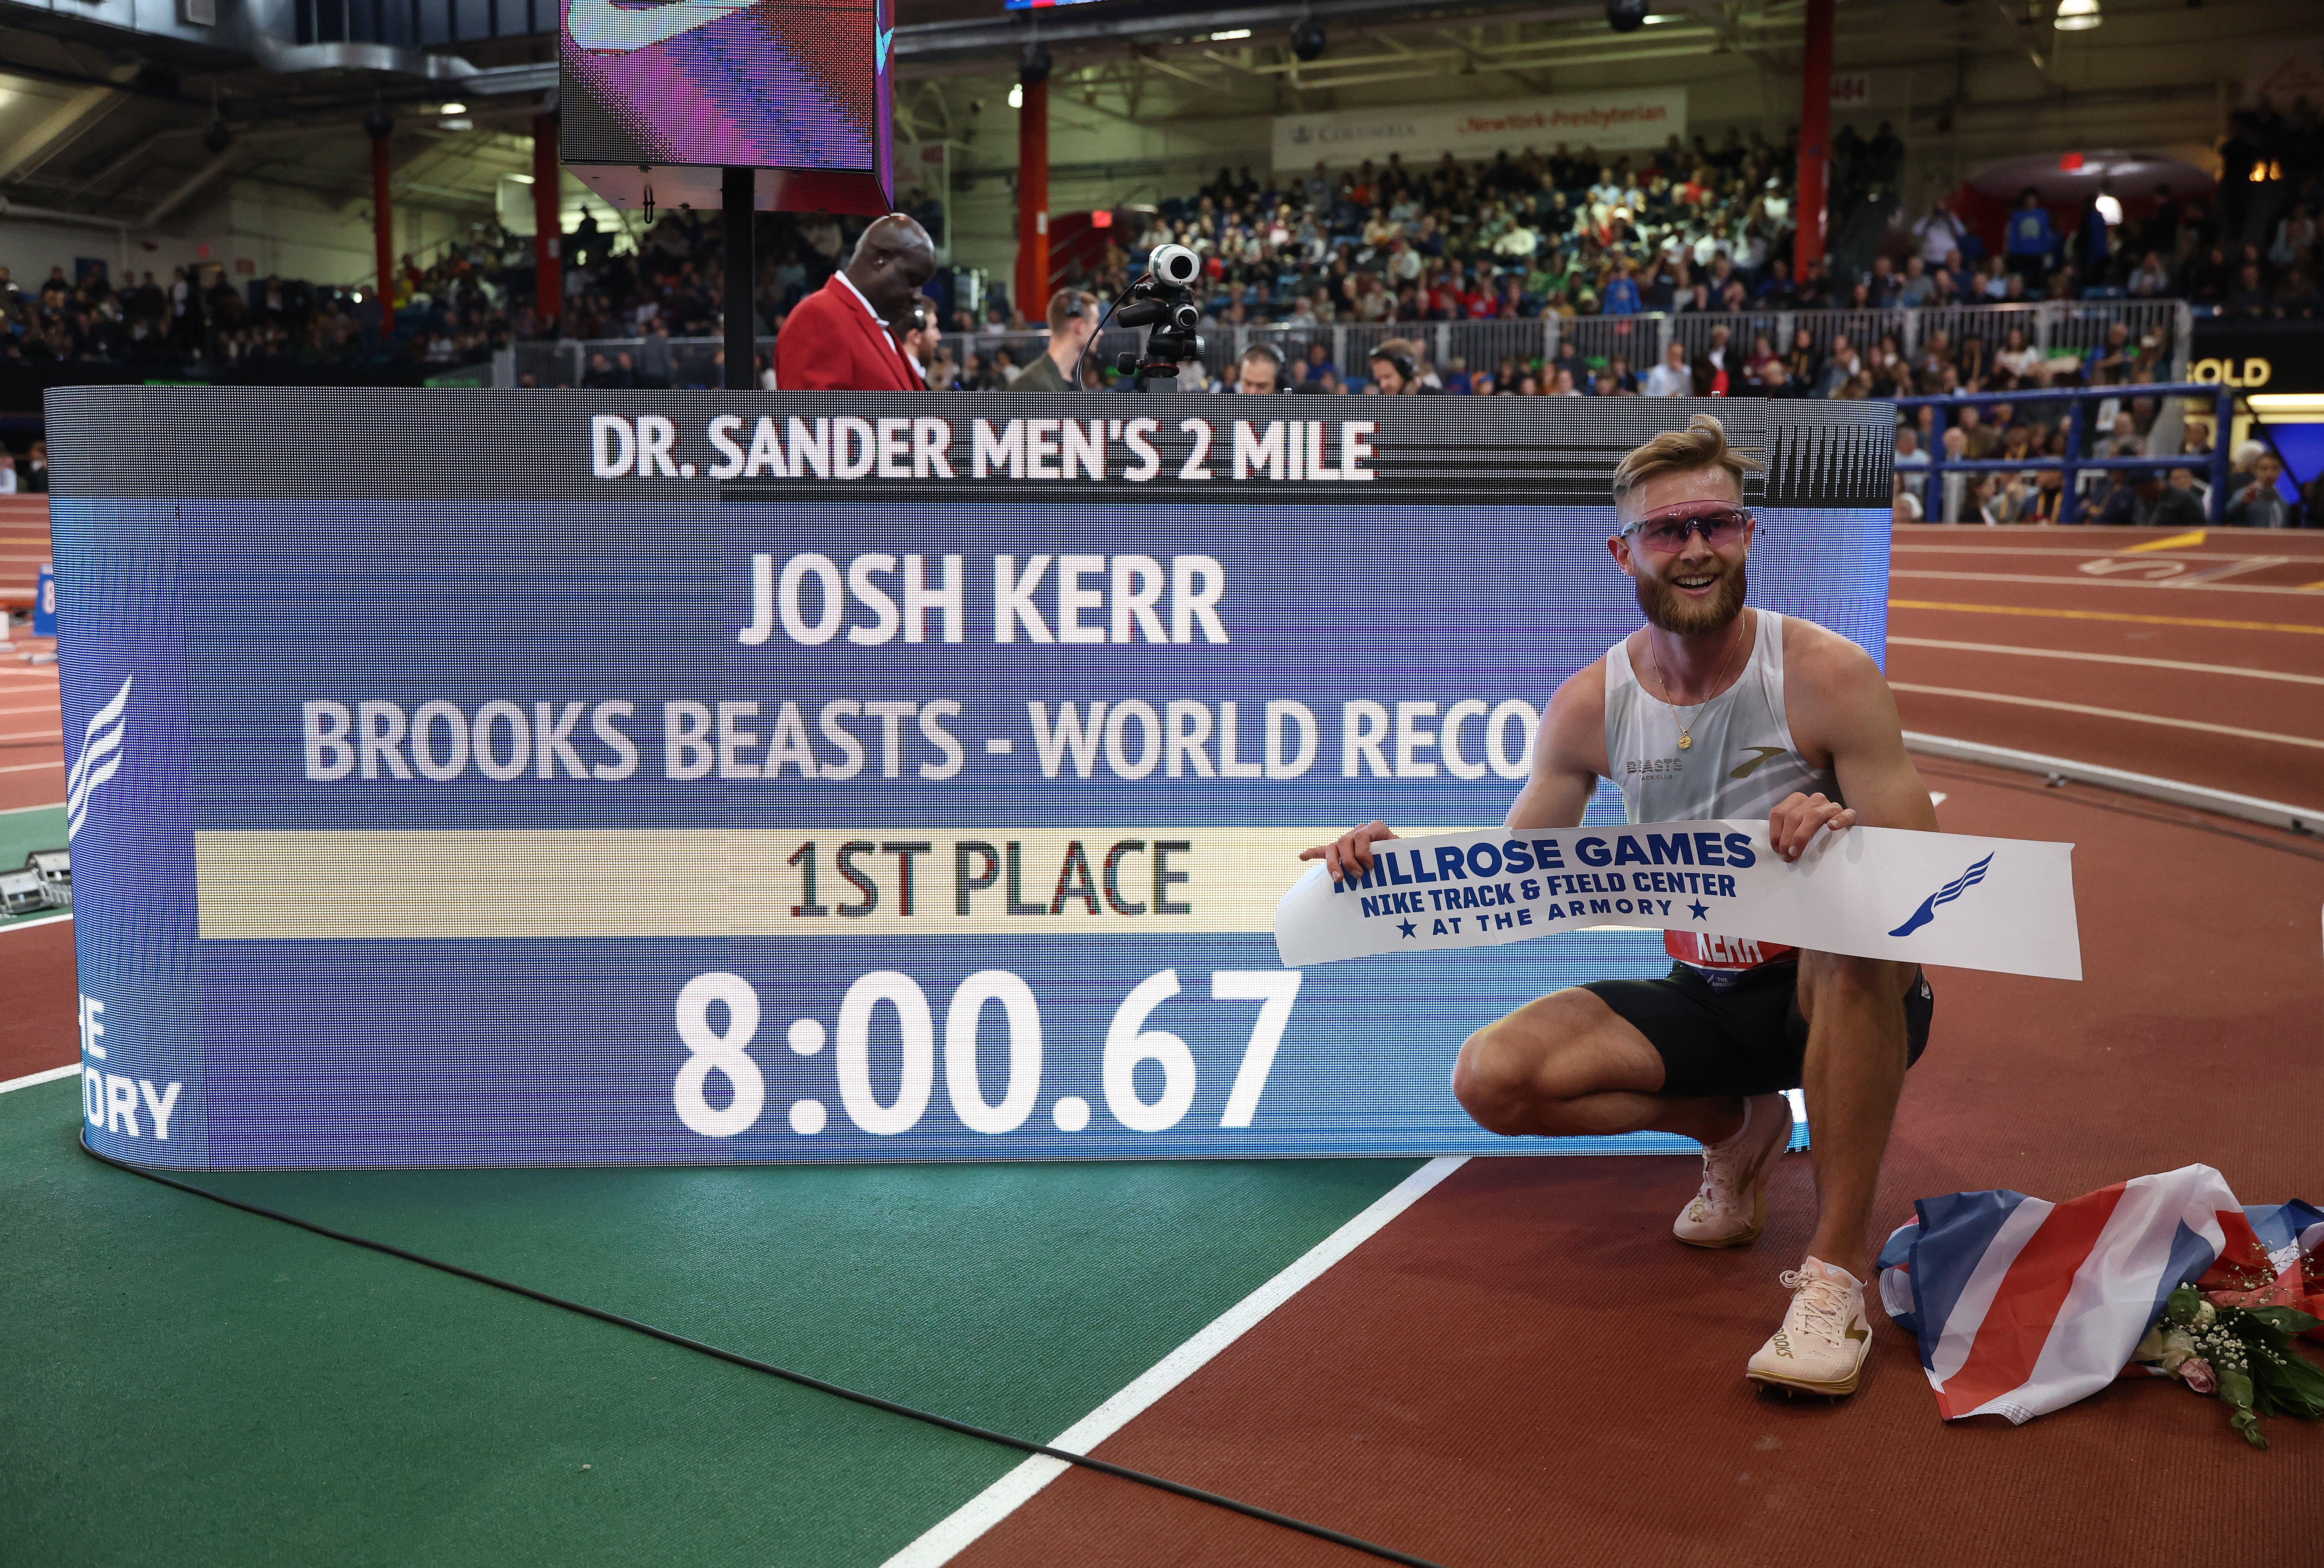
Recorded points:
(2110, 209)
(462, 108)
(1229, 35)
(521, 178)
(2077, 15)
(1015, 96)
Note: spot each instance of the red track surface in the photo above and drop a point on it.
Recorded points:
(2072, 590)
(32, 752)
(1526, 1368)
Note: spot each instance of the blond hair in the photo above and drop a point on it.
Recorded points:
(1702, 445)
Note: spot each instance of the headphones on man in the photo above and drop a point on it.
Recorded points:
(1401, 360)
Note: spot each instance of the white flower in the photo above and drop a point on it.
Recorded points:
(2205, 1313)
(2167, 1348)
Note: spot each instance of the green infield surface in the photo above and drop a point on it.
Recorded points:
(193, 1384)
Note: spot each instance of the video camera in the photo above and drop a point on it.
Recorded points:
(1163, 301)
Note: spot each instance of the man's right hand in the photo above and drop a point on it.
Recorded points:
(1349, 856)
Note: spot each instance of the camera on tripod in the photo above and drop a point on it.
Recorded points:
(1163, 301)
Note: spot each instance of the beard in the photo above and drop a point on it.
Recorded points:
(1667, 609)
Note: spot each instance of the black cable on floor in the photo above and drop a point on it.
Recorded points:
(967, 1429)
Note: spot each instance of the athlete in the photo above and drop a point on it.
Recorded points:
(1715, 710)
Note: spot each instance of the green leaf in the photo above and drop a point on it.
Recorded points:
(2290, 1319)
(2184, 1303)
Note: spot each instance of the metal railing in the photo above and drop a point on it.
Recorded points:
(2073, 464)
(2052, 326)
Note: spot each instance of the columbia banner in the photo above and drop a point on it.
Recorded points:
(468, 778)
(2003, 904)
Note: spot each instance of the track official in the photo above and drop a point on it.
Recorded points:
(1712, 710)
(843, 338)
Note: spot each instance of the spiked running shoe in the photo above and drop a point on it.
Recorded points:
(1822, 1346)
(1731, 1209)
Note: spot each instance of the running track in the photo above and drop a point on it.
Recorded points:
(1524, 1368)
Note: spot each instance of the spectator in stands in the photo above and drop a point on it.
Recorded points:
(1259, 372)
(2047, 503)
(1319, 363)
(1904, 505)
(2260, 504)
(7, 481)
(1939, 234)
(2142, 499)
(1909, 453)
(1719, 372)
(923, 341)
(1672, 378)
(656, 364)
(2149, 279)
(1072, 317)
(2029, 239)
(1393, 374)
(841, 338)
(1842, 367)
(1979, 440)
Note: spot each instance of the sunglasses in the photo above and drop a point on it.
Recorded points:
(1664, 532)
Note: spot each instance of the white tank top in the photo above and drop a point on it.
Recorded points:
(1741, 762)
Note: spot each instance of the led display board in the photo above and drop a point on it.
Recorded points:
(514, 778)
(655, 99)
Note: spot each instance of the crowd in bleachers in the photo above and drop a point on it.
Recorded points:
(1569, 233)
(1687, 228)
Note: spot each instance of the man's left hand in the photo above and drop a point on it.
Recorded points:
(1795, 821)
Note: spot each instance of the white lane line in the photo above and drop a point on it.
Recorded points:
(48, 707)
(2090, 658)
(56, 735)
(2080, 581)
(1004, 1497)
(2076, 707)
(12, 810)
(28, 767)
(50, 1076)
(37, 920)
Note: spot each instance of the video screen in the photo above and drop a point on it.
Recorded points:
(715, 83)
(616, 777)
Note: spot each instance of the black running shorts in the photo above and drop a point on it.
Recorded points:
(1749, 1038)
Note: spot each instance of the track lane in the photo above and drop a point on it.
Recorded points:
(1527, 1369)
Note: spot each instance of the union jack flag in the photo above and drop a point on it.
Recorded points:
(2021, 1305)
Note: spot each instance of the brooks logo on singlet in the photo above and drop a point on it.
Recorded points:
(1742, 762)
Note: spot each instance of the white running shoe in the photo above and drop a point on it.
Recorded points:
(1731, 1209)
(1825, 1337)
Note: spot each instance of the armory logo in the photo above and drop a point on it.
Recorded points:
(100, 759)
(1945, 895)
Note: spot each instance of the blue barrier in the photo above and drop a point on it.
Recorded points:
(2073, 462)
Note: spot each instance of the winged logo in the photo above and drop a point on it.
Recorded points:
(1945, 895)
(100, 758)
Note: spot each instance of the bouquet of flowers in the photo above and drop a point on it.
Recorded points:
(2237, 1342)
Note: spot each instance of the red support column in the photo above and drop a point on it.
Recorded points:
(383, 233)
(1815, 135)
(547, 269)
(1033, 202)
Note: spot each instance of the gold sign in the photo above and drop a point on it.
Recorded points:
(2252, 371)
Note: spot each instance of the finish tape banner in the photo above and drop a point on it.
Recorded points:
(2001, 904)
(512, 777)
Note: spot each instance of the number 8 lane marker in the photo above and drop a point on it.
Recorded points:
(955, 1533)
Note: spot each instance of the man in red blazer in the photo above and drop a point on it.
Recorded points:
(838, 339)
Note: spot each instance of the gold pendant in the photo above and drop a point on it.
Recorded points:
(1685, 741)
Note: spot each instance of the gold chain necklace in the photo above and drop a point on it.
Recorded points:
(1686, 730)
